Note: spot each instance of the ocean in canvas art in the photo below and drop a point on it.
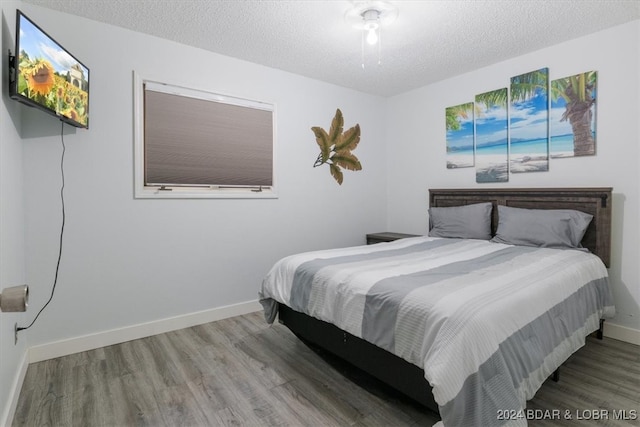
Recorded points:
(528, 122)
(459, 120)
(492, 161)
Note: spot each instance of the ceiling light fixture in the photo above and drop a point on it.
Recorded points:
(369, 17)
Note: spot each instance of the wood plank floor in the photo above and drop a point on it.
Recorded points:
(242, 372)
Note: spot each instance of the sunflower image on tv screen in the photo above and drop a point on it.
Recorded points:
(50, 77)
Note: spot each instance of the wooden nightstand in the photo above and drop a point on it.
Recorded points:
(386, 236)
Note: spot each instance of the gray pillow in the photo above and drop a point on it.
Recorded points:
(545, 228)
(461, 222)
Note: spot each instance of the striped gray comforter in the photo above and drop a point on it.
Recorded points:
(487, 322)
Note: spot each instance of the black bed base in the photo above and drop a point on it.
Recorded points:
(392, 370)
(403, 376)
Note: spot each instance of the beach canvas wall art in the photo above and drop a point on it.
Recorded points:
(459, 125)
(492, 155)
(573, 115)
(520, 128)
(529, 122)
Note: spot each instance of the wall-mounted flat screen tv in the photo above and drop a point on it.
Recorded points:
(46, 76)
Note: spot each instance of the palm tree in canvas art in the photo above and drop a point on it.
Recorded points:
(573, 107)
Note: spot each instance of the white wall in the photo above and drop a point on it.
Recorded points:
(12, 264)
(127, 261)
(416, 145)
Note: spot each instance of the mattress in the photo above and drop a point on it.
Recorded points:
(487, 322)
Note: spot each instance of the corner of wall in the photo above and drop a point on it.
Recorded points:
(8, 412)
(622, 333)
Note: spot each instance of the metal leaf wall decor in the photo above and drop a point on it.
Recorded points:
(336, 146)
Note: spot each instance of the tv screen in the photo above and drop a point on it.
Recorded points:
(47, 76)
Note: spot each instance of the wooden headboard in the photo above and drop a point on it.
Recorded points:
(594, 201)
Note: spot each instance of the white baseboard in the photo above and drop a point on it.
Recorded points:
(116, 336)
(622, 333)
(6, 417)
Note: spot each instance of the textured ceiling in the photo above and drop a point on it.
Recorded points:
(430, 40)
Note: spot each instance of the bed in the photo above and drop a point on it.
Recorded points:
(469, 325)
